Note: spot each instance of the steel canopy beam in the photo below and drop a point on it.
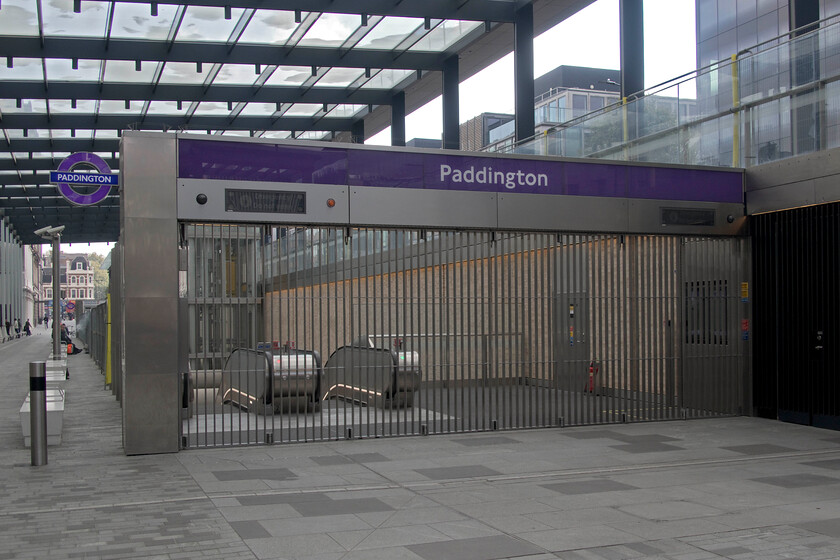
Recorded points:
(209, 53)
(477, 10)
(187, 93)
(168, 122)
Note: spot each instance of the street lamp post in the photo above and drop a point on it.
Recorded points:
(54, 234)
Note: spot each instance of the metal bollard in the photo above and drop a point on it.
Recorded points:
(38, 412)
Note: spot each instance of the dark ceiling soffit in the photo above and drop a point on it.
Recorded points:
(166, 122)
(164, 51)
(45, 188)
(188, 93)
(9, 181)
(61, 145)
(43, 164)
(476, 10)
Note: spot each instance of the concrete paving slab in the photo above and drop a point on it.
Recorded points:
(738, 488)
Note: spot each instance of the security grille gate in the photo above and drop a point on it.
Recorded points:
(301, 334)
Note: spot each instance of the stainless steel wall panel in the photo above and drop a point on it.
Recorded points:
(152, 326)
(147, 176)
(155, 239)
(566, 213)
(158, 413)
(318, 211)
(422, 208)
(645, 216)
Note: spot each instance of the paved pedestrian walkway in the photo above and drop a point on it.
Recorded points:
(737, 488)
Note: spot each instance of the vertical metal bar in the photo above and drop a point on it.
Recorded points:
(659, 260)
(389, 273)
(527, 360)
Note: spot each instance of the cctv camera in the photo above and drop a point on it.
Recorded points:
(49, 231)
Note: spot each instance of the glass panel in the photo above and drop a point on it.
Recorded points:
(106, 134)
(212, 108)
(167, 108)
(81, 133)
(241, 74)
(339, 77)
(65, 106)
(280, 134)
(726, 15)
(26, 106)
(444, 35)
(259, 109)
(345, 110)
(181, 73)
(331, 30)
(387, 79)
(19, 18)
(207, 23)
(289, 76)
(110, 107)
(61, 69)
(24, 69)
(312, 135)
(389, 33)
(303, 109)
(59, 18)
(272, 27)
(133, 20)
(126, 71)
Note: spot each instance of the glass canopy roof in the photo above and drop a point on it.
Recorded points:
(74, 73)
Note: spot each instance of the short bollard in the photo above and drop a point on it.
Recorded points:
(38, 412)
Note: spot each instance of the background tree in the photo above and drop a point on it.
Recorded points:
(100, 277)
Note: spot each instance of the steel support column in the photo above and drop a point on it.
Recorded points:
(148, 263)
(357, 132)
(398, 119)
(451, 124)
(632, 32)
(523, 70)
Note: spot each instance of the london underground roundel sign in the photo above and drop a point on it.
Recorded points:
(84, 168)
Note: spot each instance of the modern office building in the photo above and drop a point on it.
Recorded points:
(563, 94)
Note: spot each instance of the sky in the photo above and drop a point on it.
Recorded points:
(589, 38)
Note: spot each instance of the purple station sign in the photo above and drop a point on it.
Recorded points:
(201, 159)
(85, 169)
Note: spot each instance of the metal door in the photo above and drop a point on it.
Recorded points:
(797, 305)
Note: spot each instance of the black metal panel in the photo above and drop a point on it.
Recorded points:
(523, 68)
(797, 315)
(451, 122)
(398, 119)
(632, 36)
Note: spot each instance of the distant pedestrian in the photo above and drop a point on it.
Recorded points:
(17, 328)
(27, 328)
(8, 328)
